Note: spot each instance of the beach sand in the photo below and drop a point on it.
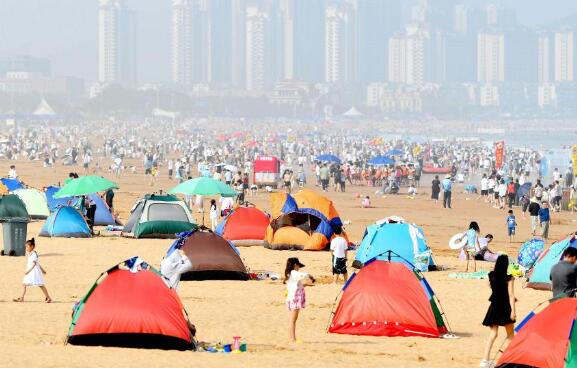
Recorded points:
(33, 333)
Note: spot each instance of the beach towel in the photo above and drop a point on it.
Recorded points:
(482, 274)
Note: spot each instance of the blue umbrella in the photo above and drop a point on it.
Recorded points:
(329, 158)
(381, 161)
(394, 152)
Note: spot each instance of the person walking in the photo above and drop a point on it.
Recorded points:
(447, 186)
(435, 188)
(339, 248)
(544, 219)
(501, 312)
(34, 271)
(534, 208)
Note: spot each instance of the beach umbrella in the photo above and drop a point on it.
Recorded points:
(381, 161)
(85, 185)
(394, 152)
(203, 186)
(329, 158)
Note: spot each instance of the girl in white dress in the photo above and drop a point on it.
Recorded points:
(295, 281)
(34, 272)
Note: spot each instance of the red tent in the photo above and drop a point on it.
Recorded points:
(244, 226)
(547, 339)
(388, 299)
(131, 309)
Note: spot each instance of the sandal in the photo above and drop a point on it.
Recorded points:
(48, 300)
(18, 300)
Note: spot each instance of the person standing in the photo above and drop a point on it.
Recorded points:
(213, 214)
(295, 281)
(573, 198)
(564, 274)
(447, 186)
(511, 224)
(511, 192)
(534, 208)
(325, 176)
(501, 312)
(544, 219)
(435, 188)
(34, 271)
(557, 196)
(170, 169)
(484, 187)
(109, 198)
(473, 247)
(339, 248)
(12, 172)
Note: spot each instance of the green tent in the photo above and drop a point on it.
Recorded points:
(35, 202)
(12, 209)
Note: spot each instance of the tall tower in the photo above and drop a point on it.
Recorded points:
(544, 58)
(256, 22)
(335, 43)
(564, 55)
(490, 56)
(410, 56)
(182, 42)
(116, 43)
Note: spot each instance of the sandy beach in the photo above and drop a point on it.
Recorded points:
(33, 333)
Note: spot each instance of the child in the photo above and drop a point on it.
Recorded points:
(544, 219)
(412, 191)
(33, 274)
(366, 202)
(295, 281)
(213, 214)
(511, 224)
(339, 247)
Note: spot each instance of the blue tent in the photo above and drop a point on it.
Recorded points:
(103, 215)
(381, 161)
(394, 152)
(329, 158)
(539, 277)
(65, 222)
(406, 241)
(12, 184)
(54, 203)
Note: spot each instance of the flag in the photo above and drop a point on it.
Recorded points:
(499, 154)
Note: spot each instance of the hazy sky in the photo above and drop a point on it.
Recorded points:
(65, 31)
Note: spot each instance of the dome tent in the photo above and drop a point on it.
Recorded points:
(12, 209)
(54, 203)
(539, 275)
(158, 216)
(131, 305)
(388, 299)
(244, 226)
(403, 239)
(212, 257)
(35, 202)
(65, 222)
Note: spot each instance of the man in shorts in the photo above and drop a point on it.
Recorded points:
(485, 187)
(339, 248)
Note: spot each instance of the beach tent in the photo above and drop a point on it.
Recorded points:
(35, 202)
(304, 221)
(156, 216)
(530, 252)
(104, 215)
(388, 299)
(13, 209)
(131, 305)
(65, 222)
(12, 184)
(539, 276)
(54, 203)
(546, 339)
(212, 257)
(407, 241)
(244, 226)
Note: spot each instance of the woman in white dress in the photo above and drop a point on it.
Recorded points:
(34, 271)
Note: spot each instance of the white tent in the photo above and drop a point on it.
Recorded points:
(353, 112)
(44, 109)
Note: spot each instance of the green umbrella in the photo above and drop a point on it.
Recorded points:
(85, 185)
(203, 186)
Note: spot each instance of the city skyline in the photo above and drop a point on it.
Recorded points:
(80, 29)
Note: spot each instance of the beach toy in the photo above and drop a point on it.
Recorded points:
(227, 348)
(243, 348)
(458, 241)
(236, 342)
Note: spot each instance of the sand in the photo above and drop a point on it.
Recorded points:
(32, 334)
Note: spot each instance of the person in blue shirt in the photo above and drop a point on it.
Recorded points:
(544, 219)
(447, 186)
(511, 224)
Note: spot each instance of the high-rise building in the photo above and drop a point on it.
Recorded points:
(256, 33)
(521, 49)
(303, 33)
(116, 43)
(182, 42)
(220, 42)
(461, 20)
(410, 57)
(544, 58)
(238, 73)
(335, 43)
(490, 56)
(564, 55)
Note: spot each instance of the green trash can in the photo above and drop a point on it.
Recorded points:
(14, 238)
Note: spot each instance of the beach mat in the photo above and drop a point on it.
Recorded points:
(470, 275)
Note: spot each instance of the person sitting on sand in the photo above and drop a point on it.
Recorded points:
(366, 202)
(412, 191)
(486, 254)
(295, 281)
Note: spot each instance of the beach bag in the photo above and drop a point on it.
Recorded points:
(530, 252)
